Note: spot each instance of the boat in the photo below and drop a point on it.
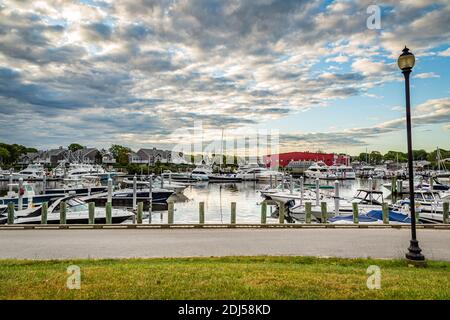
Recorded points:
(77, 213)
(224, 177)
(75, 171)
(178, 176)
(201, 172)
(372, 217)
(124, 197)
(428, 203)
(174, 186)
(367, 200)
(319, 170)
(85, 185)
(342, 172)
(257, 173)
(29, 196)
(33, 171)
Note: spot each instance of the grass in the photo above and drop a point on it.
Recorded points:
(223, 278)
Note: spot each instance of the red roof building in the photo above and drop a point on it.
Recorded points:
(283, 159)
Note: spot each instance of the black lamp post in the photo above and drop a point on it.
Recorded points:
(406, 63)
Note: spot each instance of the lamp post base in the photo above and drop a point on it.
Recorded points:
(414, 252)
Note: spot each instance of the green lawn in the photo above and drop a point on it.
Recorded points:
(223, 278)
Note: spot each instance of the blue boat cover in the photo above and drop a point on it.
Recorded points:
(393, 216)
(374, 216)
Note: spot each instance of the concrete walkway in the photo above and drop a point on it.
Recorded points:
(129, 243)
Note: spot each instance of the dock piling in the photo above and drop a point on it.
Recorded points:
(108, 209)
(201, 213)
(134, 192)
(355, 212)
(317, 192)
(385, 210)
(10, 213)
(281, 212)
(110, 190)
(263, 212)
(91, 208)
(21, 192)
(44, 211)
(445, 206)
(140, 208)
(170, 210)
(150, 199)
(323, 210)
(336, 197)
(308, 212)
(62, 213)
(233, 213)
(301, 190)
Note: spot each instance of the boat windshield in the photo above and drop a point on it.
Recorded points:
(76, 205)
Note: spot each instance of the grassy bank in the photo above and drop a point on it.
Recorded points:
(223, 278)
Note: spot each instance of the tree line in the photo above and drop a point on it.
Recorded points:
(376, 157)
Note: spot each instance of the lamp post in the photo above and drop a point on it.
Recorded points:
(406, 63)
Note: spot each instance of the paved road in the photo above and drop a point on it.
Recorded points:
(63, 244)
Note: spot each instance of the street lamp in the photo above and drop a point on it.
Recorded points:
(406, 63)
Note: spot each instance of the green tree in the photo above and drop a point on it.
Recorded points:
(420, 154)
(120, 153)
(4, 155)
(363, 156)
(74, 147)
(375, 157)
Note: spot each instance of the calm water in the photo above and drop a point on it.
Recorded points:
(218, 197)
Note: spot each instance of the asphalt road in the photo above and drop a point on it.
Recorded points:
(66, 244)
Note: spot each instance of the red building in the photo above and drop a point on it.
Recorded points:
(283, 159)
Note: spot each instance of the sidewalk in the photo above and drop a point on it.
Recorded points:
(147, 243)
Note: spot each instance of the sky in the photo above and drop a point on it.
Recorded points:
(322, 75)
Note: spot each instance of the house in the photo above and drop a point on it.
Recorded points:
(86, 155)
(152, 156)
(54, 156)
(29, 157)
(107, 158)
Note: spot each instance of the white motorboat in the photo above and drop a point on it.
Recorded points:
(428, 203)
(201, 173)
(33, 171)
(342, 172)
(319, 170)
(77, 213)
(259, 174)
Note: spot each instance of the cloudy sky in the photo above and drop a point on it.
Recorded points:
(139, 72)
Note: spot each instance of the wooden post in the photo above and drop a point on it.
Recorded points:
(445, 206)
(263, 212)
(323, 209)
(170, 212)
(308, 212)
(44, 184)
(134, 192)
(281, 212)
(44, 210)
(291, 184)
(91, 207)
(370, 189)
(393, 189)
(110, 190)
(201, 213)
(233, 213)
(150, 199)
(108, 213)
(301, 190)
(336, 197)
(317, 192)
(10, 213)
(140, 208)
(355, 212)
(20, 199)
(385, 209)
(62, 213)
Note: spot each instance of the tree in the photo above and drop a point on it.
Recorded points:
(363, 156)
(395, 155)
(4, 155)
(420, 154)
(375, 157)
(120, 153)
(74, 147)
